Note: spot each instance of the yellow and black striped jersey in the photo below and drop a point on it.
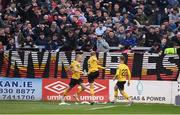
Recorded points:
(123, 72)
(75, 65)
(93, 64)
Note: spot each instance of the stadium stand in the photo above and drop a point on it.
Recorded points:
(85, 25)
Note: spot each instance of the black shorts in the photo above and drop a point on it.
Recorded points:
(120, 85)
(74, 82)
(92, 76)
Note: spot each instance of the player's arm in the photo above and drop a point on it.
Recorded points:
(101, 67)
(117, 74)
(70, 68)
(129, 76)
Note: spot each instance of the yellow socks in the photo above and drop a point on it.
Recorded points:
(79, 90)
(65, 93)
(115, 93)
(125, 95)
(92, 90)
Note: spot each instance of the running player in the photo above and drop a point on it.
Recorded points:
(76, 79)
(93, 72)
(121, 73)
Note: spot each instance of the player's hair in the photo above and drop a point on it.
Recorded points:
(77, 56)
(93, 53)
(122, 58)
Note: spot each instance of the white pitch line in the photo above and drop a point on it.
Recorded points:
(105, 107)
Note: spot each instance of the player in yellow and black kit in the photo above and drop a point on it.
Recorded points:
(122, 73)
(93, 72)
(76, 79)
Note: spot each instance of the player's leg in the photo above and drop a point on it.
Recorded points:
(121, 89)
(91, 83)
(65, 93)
(91, 88)
(115, 93)
(81, 88)
(92, 92)
(91, 78)
(71, 85)
(123, 93)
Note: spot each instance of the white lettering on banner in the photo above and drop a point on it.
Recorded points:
(167, 64)
(39, 67)
(83, 98)
(144, 98)
(156, 98)
(20, 89)
(15, 58)
(151, 91)
(146, 64)
(59, 97)
(112, 65)
(35, 60)
(95, 98)
(63, 59)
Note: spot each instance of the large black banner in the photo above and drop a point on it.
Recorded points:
(30, 64)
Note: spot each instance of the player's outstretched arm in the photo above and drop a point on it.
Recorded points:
(101, 67)
(114, 78)
(117, 74)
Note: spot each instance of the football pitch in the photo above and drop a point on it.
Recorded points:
(39, 107)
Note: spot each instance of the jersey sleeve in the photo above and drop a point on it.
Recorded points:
(101, 67)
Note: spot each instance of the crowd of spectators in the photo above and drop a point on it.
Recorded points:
(85, 25)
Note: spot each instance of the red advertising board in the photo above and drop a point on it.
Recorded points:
(54, 88)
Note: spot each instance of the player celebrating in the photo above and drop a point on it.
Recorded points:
(121, 73)
(76, 79)
(93, 72)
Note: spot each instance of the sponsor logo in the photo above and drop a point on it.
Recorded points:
(97, 87)
(57, 87)
(139, 88)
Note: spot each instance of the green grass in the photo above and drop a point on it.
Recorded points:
(38, 107)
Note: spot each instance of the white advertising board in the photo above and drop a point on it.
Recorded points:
(176, 91)
(20, 89)
(146, 91)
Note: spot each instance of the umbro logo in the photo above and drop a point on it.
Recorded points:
(97, 87)
(57, 87)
